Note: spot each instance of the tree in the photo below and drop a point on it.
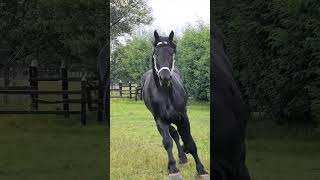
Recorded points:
(125, 15)
(193, 60)
(130, 61)
(274, 48)
(55, 30)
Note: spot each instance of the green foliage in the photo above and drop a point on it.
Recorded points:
(275, 46)
(52, 30)
(130, 61)
(74, 30)
(125, 15)
(193, 54)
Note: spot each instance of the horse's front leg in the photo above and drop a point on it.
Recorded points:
(163, 128)
(189, 146)
(175, 136)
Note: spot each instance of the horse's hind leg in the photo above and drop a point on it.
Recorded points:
(175, 136)
(167, 143)
(189, 145)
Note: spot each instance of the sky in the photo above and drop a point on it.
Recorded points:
(176, 14)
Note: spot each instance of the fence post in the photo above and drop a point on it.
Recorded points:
(83, 98)
(136, 93)
(89, 98)
(140, 92)
(33, 74)
(130, 88)
(120, 88)
(65, 86)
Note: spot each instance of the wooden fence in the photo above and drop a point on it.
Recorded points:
(125, 90)
(86, 101)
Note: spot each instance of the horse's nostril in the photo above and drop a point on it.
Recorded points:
(166, 79)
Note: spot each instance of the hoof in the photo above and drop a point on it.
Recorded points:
(204, 177)
(175, 176)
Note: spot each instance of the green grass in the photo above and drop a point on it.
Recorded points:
(50, 147)
(273, 152)
(282, 152)
(37, 147)
(136, 146)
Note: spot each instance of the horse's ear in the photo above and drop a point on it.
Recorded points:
(156, 36)
(171, 36)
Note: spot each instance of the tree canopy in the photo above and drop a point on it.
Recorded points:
(54, 30)
(74, 31)
(126, 15)
(193, 60)
(130, 61)
(275, 50)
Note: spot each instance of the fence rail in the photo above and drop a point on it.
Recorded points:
(36, 75)
(125, 90)
(30, 92)
(39, 112)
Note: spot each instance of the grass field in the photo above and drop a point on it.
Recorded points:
(136, 145)
(282, 152)
(50, 147)
(273, 152)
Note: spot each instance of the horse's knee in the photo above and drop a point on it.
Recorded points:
(167, 142)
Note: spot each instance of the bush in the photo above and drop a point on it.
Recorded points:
(193, 61)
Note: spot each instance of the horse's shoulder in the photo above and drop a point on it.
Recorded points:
(145, 76)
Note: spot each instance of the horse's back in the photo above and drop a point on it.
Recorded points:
(229, 115)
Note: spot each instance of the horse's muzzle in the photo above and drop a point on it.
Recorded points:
(165, 82)
(165, 78)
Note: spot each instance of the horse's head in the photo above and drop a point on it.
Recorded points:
(163, 57)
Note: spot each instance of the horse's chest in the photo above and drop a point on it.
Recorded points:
(167, 108)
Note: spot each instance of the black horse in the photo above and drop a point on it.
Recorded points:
(164, 95)
(229, 117)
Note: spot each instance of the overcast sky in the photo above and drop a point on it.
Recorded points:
(176, 14)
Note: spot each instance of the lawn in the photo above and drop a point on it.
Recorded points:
(273, 152)
(50, 147)
(282, 152)
(136, 146)
(37, 147)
